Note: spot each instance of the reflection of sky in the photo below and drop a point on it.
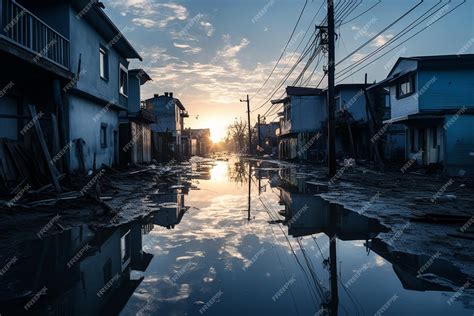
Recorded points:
(207, 252)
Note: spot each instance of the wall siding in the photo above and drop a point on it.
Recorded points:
(459, 140)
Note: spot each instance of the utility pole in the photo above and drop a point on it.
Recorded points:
(331, 91)
(258, 131)
(250, 128)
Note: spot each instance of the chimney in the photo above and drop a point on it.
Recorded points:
(156, 95)
(171, 94)
(166, 94)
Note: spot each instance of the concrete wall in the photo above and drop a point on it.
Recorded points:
(86, 41)
(459, 142)
(83, 125)
(404, 106)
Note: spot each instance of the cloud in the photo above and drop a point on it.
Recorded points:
(151, 14)
(357, 56)
(229, 50)
(187, 48)
(144, 22)
(208, 27)
(381, 40)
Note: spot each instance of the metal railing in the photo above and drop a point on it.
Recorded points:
(30, 32)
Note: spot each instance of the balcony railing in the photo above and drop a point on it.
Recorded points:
(30, 32)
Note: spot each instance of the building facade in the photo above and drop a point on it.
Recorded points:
(432, 97)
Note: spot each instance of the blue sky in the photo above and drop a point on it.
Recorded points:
(211, 53)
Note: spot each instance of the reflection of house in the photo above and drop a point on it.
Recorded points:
(410, 269)
(200, 142)
(85, 271)
(168, 129)
(432, 97)
(172, 206)
(135, 132)
(69, 60)
(267, 137)
(307, 214)
(301, 120)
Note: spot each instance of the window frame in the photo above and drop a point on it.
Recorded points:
(125, 70)
(103, 127)
(410, 79)
(104, 52)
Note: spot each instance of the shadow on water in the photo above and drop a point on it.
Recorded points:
(258, 234)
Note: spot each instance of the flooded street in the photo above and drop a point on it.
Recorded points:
(232, 238)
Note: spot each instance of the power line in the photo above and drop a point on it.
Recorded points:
(284, 49)
(392, 40)
(407, 39)
(358, 16)
(379, 33)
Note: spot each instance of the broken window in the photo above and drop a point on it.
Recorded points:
(406, 86)
(123, 80)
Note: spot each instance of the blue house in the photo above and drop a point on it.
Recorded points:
(69, 60)
(168, 131)
(300, 121)
(433, 98)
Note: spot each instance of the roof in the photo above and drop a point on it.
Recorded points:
(302, 91)
(96, 16)
(141, 75)
(177, 101)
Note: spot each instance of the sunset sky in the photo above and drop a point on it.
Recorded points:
(211, 53)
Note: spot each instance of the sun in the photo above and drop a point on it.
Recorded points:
(217, 134)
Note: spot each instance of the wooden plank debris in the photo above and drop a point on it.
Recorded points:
(39, 133)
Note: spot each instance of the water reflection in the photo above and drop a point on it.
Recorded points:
(83, 271)
(246, 230)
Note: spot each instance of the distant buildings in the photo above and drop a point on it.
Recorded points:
(266, 133)
(168, 130)
(200, 142)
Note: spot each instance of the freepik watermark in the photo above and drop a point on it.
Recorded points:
(427, 264)
(358, 273)
(108, 285)
(369, 204)
(6, 88)
(363, 30)
(387, 305)
(441, 191)
(92, 182)
(466, 47)
(412, 160)
(103, 111)
(14, 21)
(263, 11)
(61, 153)
(19, 195)
(458, 293)
(425, 87)
(44, 51)
(381, 132)
(78, 256)
(48, 226)
(254, 259)
(31, 123)
(8, 265)
(283, 289)
(455, 117)
(398, 234)
(181, 271)
(35, 298)
(86, 9)
(211, 302)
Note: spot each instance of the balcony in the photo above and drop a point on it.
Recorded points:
(23, 28)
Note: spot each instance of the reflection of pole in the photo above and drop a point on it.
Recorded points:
(334, 301)
(250, 190)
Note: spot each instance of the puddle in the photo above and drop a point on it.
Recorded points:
(226, 243)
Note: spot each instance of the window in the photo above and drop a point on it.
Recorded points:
(406, 86)
(103, 135)
(435, 137)
(125, 250)
(123, 80)
(104, 63)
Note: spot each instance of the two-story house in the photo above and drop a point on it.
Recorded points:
(300, 122)
(169, 126)
(433, 97)
(69, 61)
(135, 129)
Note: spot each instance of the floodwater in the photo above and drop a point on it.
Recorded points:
(231, 238)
